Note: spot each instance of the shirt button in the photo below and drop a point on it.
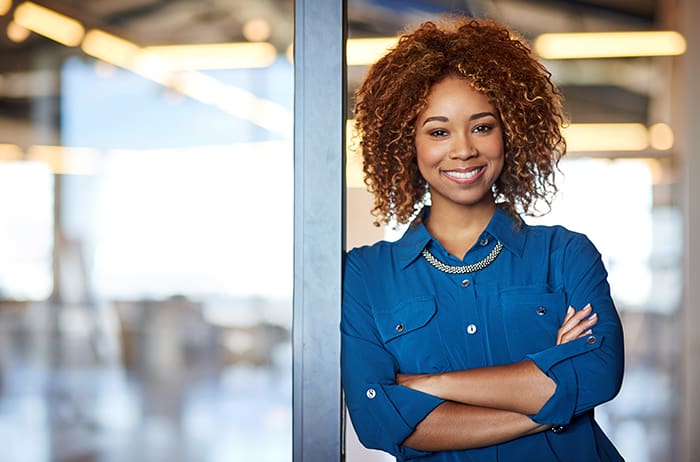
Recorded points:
(471, 329)
(591, 340)
(371, 393)
(465, 283)
(400, 328)
(484, 241)
(541, 310)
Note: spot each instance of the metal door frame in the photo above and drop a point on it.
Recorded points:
(319, 227)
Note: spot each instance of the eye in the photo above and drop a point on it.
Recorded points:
(438, 132)
(482, 128)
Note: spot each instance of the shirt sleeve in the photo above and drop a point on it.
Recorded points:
(383, 413)
(587, 371)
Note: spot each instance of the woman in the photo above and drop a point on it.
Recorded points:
(475, 337)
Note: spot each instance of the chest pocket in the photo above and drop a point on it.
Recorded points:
(531, 321)
(410, 331)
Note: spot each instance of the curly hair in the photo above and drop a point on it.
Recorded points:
(498, 64)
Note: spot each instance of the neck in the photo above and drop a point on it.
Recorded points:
(458, 228)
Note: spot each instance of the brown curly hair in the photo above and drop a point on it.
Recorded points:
(498, 64)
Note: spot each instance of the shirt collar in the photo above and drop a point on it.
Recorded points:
(505, 229)
(502, 226)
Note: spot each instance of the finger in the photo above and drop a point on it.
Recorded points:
(571, 322)
(567, 317)
(575, 319)
(569, 313)
(580, 330)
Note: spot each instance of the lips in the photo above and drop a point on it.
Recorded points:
(463, 174)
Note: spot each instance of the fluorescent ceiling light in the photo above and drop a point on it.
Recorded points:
(66, 160)
(10, 153)
(609, 44)
(661, 137)
(110, 48)
(123, 53)
(17, 33)
(5, 6)
(165, 65)
(217, 55)
(365, 51)
(49, 23)
(257, 30)
(606, 137)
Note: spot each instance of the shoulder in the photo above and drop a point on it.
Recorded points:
(561, 244)
(557, 235)
(371, 254)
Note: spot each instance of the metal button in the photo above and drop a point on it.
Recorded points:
(371, 393)
(484, 241)
(541, 310)
(558, 429)
(471, 329)
(591, 340)
(465, 283)
(400, 327)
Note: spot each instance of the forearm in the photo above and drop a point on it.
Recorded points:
(520, 387)
(455, 426)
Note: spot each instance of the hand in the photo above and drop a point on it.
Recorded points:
(576, 324)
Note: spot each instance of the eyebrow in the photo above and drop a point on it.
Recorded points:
(478, 115)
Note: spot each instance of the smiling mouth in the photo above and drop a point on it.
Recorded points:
(463, 174)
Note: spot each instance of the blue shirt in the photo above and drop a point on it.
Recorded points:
(400, 314)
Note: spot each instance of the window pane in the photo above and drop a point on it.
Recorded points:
(146, 251)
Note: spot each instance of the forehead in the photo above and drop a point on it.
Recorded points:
(455, 93)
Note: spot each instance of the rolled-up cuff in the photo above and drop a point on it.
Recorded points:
(400, 409)
(556, 363)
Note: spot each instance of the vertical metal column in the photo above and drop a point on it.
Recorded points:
(319, 145)
(687, 102)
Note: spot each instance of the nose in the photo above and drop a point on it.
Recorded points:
(463, 148)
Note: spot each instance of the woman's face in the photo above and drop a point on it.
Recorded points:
(459, 145)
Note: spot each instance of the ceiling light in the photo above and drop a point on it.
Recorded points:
(49, 23)
(198, 86)
(605, 137)
(5, 6)
(65, 160)
(162, 65)
(10, 153)
(609, 44)
(110, 48)
(256, 30)
(217, 55)
(661, 137)
(235, 101)
(365, 51)
(17, 33)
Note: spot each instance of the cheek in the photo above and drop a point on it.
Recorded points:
(423, 156)
(499, 163)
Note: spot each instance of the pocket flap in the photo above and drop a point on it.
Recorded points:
(406, 317)
(533, 305)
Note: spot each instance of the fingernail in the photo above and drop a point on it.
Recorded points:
(588, 307)
(570, 310)
(588, 332)
(593, 316)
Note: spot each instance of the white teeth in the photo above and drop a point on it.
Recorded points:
(463, 175)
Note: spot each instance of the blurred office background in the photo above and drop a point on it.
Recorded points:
(146, 187)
